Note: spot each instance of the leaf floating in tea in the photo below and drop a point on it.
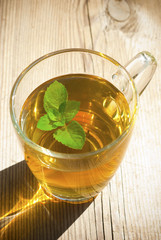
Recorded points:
(56, 117)
(59, 112)
(55, 95)
(45, 123)
(69, 109)
(54, 114)
(72, 135)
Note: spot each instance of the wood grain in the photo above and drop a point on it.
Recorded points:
(130, 206)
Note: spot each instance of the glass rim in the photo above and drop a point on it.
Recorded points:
(69, 155)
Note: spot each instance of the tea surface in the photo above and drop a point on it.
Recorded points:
(104, 113)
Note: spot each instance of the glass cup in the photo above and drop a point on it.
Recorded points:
(77, 177)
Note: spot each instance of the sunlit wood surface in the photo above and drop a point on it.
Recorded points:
(130, 206)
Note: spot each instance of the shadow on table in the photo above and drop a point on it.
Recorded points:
(27, 213)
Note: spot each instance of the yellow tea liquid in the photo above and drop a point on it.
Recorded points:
(104, 114)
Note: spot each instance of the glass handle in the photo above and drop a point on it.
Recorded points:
(141, 68)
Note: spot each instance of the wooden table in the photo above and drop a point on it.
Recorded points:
(130, 206)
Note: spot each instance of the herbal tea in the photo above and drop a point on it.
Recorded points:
(103, 114)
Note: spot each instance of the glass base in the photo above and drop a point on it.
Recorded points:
(72, 201)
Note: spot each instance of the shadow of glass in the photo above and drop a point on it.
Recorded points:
(27, 213)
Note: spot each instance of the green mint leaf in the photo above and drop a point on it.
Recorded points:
(45, 123)
(62, 107)
(55, 95)
(72, 135)
(60, 123)
(60, 111)
(69, 109)
(54, 114)
(57, 118)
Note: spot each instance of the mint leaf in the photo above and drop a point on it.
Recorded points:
(57, 118)
(45, 123)
(59, 112)
(54, 114)
(62, 107)
(55, 95)
(60, 123)
(69, 109)
(72, 135)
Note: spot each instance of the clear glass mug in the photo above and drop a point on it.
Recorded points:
(77, 177)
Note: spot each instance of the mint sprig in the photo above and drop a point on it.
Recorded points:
(59, 114)
(71, 135)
